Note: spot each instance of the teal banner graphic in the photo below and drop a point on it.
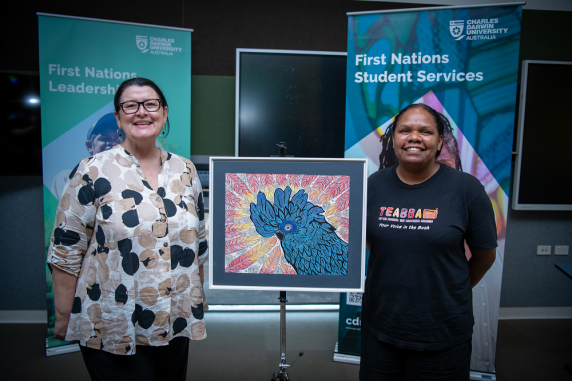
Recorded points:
(82, 63)
(463, 62)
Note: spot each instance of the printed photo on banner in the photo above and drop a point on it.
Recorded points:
(101, 136)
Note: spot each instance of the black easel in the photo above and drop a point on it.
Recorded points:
(282, 374)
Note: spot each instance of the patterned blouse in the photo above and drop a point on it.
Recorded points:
(136, 252)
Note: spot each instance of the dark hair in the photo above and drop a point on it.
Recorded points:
(141, 82)
(387, 157)
(450, 142)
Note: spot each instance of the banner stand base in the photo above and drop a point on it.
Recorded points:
(340, 357)
(482, 376)
(62, 349)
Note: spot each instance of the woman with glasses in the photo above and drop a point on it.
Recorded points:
(128, 248)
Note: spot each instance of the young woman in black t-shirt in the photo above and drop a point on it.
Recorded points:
(417, 309)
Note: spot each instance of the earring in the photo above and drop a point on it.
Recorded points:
(163, 136)
(118, 134)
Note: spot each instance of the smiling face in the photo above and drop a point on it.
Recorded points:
(143, 126)
(416, 139)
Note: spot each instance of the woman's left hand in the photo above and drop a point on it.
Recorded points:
(480, 263)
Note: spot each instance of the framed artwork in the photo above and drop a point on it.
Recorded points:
(287, 224)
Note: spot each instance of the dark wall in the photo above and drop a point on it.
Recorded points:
(23, 275)
(297, 25)
(530, 279)
(221, 27)
(212, 115)
(549, 43)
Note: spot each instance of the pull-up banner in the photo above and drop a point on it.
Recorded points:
(463, 62)
(82, 63)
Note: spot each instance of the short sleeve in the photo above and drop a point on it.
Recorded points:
(74, 223)
(482, 229)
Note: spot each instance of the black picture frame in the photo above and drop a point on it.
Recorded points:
(355, 169)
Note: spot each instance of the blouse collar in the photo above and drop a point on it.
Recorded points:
(127, 155)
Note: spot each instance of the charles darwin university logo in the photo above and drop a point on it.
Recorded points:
(456, 28)
(142, 42)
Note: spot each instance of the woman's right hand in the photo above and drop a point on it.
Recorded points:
(60, 329)
(64, 292)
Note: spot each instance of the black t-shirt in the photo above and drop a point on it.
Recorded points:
(418, 292)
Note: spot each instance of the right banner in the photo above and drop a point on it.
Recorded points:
(463, 62)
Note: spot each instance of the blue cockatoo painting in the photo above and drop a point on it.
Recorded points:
(286, 224)
(309, 242)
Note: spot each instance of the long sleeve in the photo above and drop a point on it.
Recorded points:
(135, 251)
(73, 227)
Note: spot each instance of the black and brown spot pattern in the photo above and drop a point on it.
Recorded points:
(136, 252)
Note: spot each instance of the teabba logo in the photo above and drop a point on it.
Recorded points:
(356, 322)
(428, 214)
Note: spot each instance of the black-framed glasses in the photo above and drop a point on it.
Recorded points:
(131, 107)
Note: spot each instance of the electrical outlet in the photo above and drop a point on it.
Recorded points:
(543, 250)
(561, 250)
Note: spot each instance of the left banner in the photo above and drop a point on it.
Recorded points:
(82, 63)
